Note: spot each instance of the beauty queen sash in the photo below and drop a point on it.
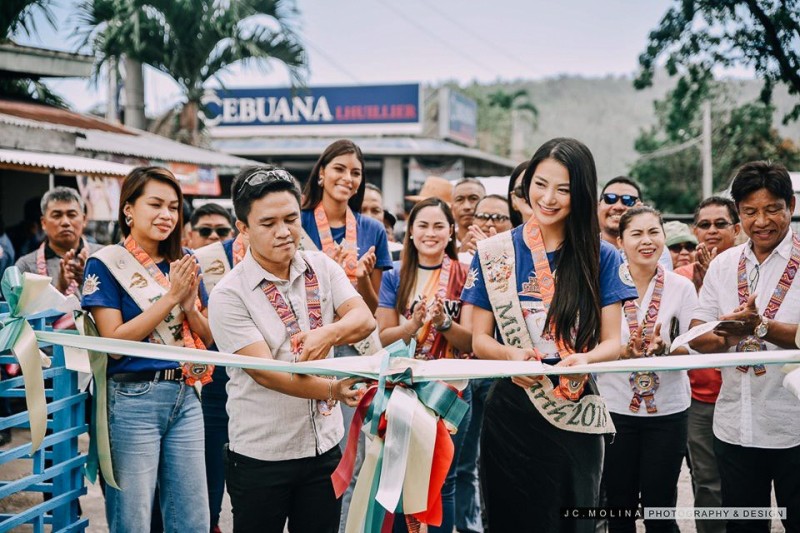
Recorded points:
(446, 285)
(586, 415)
(752, 343)
(214, 261)
(289, 317)
(349, 244)
(372, 344)
(645, 384)
(140, 277)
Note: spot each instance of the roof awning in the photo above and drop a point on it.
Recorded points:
(63, 164)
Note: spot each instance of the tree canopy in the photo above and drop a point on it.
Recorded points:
(696, 36)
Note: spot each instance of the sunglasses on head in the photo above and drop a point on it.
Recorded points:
(205, 231)
(719, 224)
(496, 217)
(628, 200)
(260, 177)
(679, 247)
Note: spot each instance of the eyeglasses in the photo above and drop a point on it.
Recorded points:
(719, 224)
(519, 192)
(679, 247)
(206, 231)
(495, 217)
(628, 200)
(754, 275)
(266, 176)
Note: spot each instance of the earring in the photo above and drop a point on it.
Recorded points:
(410, 237)
(128, 220)
(319, 182)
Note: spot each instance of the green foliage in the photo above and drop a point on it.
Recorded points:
(696, 36)
(671, 166)
(194, 41)
(17, 16)
(31, 90)
(496, 104)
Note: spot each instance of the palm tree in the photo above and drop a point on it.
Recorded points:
(17, 17)
(194, 41)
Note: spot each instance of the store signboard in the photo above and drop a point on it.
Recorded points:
(361, 109)
(458, 117)
(196, 180)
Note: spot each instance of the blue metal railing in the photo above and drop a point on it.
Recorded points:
(56, 469)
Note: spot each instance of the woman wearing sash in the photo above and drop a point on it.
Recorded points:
(649, 409)
(146, 289)
(542, 444)
(332, 221)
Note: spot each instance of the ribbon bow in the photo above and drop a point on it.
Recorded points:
(406, 419)
(30, 296)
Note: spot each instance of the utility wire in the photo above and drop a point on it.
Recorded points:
(436, 37)
(308, 42)
(475, 35)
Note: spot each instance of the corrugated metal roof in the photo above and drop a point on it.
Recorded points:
(375, 146)
(151, 146)
(66, 163)
(56, 115)
(37, 124)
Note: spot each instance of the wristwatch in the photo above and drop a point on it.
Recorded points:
(762, 328)
(445, 325)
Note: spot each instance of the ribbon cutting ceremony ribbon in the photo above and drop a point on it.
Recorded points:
(414, 423)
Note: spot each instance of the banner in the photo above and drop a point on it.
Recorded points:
(419, 172)
(362, 109)
(196, 180)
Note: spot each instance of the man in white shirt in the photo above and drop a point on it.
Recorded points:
(756, 419)
(281, 303)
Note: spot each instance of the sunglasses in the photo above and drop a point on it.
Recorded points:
(205, 231)
(719, 224)
(628, 200)
(260, 177)
(495, 217)
(679, 247)
(519, 192)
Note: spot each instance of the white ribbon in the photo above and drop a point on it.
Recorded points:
(399, 426)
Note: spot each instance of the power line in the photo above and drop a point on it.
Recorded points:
(475, 35)
(330, 60)
(436, 37)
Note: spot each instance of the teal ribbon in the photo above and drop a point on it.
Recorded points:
(436, 395)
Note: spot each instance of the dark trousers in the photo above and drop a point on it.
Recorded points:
(747, 476)
(264, 494)
(530, 470)
(643, 464)
(215, 419)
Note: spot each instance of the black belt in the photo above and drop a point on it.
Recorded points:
(170, 374)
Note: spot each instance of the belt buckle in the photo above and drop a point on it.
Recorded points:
(168, 374)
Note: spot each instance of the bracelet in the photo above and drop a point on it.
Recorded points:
(445, 325)
(330, 399)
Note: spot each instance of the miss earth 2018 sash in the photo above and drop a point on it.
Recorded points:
(214, 261)
(586, 415)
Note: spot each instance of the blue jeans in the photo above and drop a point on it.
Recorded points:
(468, 494)
(156, 433)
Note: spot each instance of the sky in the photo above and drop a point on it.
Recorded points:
(428, 41)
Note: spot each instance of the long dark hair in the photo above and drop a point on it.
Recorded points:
(410, 262)
(577, 294)
(312, 192)
(516, 216)
(132, 188)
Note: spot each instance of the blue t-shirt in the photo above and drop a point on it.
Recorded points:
(370, 232)
(228, 247)
(111, 294)
(612, 288)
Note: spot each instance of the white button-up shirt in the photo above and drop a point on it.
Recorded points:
(678, 301)
(266, 424)
(753, 411)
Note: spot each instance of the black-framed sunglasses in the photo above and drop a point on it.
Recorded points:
(519, 192)
(206, 231)
(260, 177)
(680, 246)
(719, 224)
(628, 200)
(495, 217)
